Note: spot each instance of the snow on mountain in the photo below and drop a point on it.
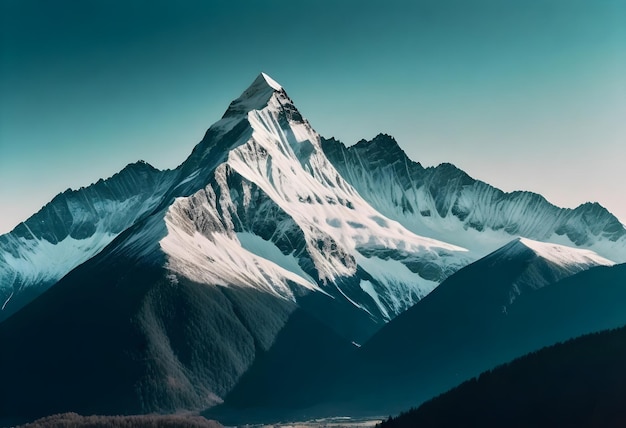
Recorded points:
(276, 183)
(184, 276)
(71, 229)
(381, 240)
(221, 259)
(545, 263)
(201, 277)
(445, 203)
(260, 171)
(558, 254)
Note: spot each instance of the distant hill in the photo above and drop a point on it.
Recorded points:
(580, 383)
(463, 328)
(74, 420)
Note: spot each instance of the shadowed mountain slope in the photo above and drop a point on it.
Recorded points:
(580, 383)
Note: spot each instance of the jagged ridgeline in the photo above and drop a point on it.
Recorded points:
(156, 290)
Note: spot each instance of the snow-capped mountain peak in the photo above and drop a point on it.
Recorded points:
(197, 269)
(275, 182)
(260, 182)
(559, 255)
(563, 255)
(255, 96)
(267, 80)
(234, 128)
(543, 263)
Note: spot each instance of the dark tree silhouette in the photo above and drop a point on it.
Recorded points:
(580, 383)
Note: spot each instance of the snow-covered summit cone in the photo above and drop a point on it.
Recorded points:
(272, 191)
(234, 127)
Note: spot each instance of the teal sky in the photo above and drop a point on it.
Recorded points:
(525, 95)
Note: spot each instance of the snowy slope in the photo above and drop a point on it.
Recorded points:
(544, 263)
(558, 254)
(71, 229)
(447, 204)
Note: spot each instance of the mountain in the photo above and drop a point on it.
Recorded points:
(445, 203)
(171, 309)
(487, 289)
(72, 228)
(488, 313)
(270, 190)
(580, 383)
(508, 303)
(156, 291)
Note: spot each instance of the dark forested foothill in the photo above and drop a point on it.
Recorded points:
(580, 383)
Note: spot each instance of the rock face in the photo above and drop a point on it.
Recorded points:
(445, 203)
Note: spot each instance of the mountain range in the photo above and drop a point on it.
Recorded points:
(158, 290)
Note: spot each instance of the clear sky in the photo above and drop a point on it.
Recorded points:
(525, 95)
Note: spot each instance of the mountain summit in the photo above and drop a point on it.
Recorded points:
(256, 97)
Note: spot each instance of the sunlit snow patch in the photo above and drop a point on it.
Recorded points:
(403, 288)
(220, 259)
(368, 287)
(565, 256)
(41, 261)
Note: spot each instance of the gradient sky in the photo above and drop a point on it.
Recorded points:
(525, 95)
